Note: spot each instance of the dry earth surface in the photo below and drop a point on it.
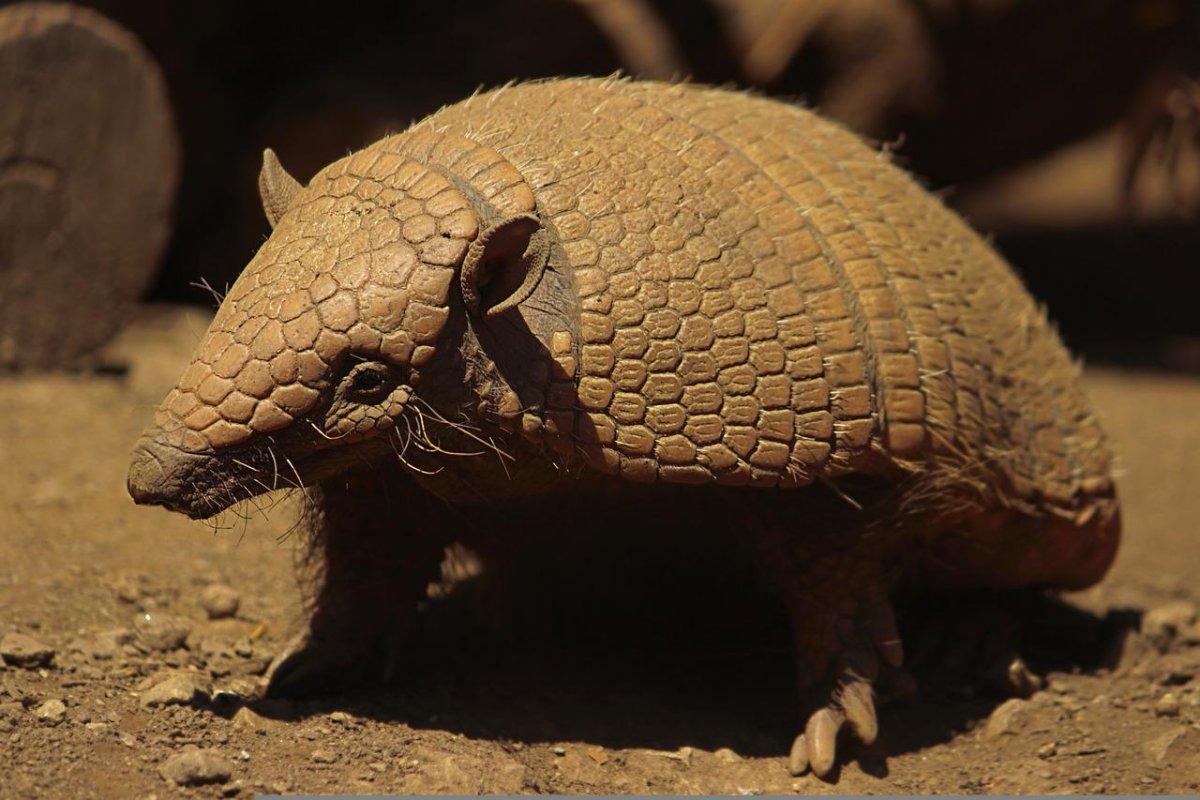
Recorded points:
(119, 684)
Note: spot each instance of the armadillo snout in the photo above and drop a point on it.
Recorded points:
(161, 475)
(144, 481)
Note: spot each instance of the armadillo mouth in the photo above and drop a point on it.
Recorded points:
(196, 485)
(202, 485)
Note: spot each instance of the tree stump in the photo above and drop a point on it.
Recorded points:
(89, 165)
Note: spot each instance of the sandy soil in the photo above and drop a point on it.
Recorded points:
(118, 593)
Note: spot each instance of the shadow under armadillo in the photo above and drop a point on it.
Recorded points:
(669, 637)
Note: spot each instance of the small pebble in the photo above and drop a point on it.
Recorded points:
(323, 756)
(51, 711)
(178, 689)
(220, 601)
(1170, 745)
(558, 751)
(247, 719)
(1161, 625)
(127, 589)
(19, 650)
(195, 767)
(161, 631)
(1007, 716)
(109, 644)
(727, 755)
(1167, 706)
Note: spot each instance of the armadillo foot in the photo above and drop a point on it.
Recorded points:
(313, 664)
(308, 667)
(867, 642)
(851, 706)
(973, 646)
(835, 583)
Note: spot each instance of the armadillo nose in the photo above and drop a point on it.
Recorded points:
(145, 481)
(163, 475)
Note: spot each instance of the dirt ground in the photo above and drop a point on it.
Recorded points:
(140, 676)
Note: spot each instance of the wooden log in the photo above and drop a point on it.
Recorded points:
(89, 166)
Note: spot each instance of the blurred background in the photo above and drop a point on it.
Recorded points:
(131, 134)
(1067, 131)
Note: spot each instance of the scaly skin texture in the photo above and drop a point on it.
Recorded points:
(590, 290)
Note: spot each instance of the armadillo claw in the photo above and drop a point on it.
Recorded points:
(975, 647)
(851, 706)
(859, 706)
(821, 732)
(307, 668)
(281, 663)
(798, 758)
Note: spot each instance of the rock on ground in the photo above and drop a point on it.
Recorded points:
(220, 601)
(178, 689)
(161, 631)
(1006, 718)
(195, 767)
(1179, 742)
(20, 650)
(1162, 624)
(51, 711)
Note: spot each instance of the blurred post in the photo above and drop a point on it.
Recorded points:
(89, 166)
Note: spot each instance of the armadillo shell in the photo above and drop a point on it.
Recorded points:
(766, 300)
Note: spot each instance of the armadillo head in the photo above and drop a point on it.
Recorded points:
(320, 345)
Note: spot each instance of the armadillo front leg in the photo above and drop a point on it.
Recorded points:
(843, 629)
(374, 551)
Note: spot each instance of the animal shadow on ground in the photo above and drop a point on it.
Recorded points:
(632, 646)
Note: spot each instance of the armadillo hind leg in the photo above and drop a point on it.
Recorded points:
(844, 632)
(972, 641)
(374, 552)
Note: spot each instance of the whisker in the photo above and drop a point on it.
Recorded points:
(299, 482)
(465, 429)
(426, 442)
(409, 464)
(326, 435)
(274, 467)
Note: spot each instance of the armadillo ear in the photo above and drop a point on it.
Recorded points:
(276, 187)
(503, 265)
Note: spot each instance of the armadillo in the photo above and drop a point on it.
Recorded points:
(684, 305)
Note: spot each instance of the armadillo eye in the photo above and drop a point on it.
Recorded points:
(368, 379)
